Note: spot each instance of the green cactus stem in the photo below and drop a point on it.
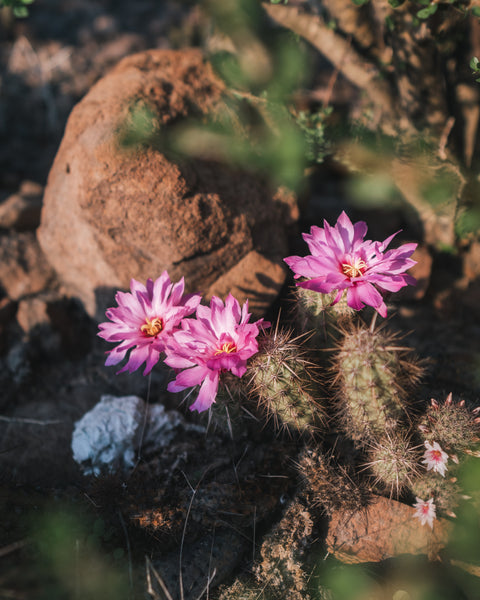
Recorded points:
(394, 463)
(373, 377)
(452, 425)
(285, 383)
(314, 312)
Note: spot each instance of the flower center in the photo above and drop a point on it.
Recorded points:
(227, 347)
(354, 270)
(425, 508)
(436, 456)
(152, 327)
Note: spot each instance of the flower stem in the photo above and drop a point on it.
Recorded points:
(374, 320)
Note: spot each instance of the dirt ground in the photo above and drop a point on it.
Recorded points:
(50, 378)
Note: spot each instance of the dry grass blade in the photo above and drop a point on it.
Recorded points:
(150, 568)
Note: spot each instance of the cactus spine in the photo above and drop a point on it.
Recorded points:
(315, 312)
(285, 384)
(393, 463)
(327, 484)
(372, 379)
(451, 424)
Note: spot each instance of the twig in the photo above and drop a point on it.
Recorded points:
(361, 72)
(254, 519)
(13, 547)
(28, 421)
(150, 590)
(444, 138)
(374, 320)
(194, 491)
(209, 581)
(210, 563)
(334, 76)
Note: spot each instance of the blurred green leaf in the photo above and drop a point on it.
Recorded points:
(18, 7)
(441, 190)
(348, 582)
(468, 222)
(75, 562)
(424, 13)
(373, 191)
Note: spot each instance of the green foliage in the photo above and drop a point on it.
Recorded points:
(374, 190)
(442, 189)
(468, 222)
(256, 129)
(430, 10)
(463, 542)
(349, 582)
(475, 66)
(72, 555)
(313, 127)
(19, 7)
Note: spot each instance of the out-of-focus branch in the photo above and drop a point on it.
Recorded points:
(337, 50)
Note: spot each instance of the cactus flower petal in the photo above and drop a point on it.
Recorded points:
(144, 320)
(340, 258)
(425, 511)
(219, 339)
(435, 458)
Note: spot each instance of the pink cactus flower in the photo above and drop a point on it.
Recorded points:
(341, 260)
(425, 511)
(144, 321)
(435, 458)
(219, 339)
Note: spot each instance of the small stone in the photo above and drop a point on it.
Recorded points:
(23, 267)
(8, 309)
(21, 211)
(108, 437)
(32, 312)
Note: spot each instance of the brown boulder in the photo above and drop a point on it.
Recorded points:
(111, 214)
(384, 529)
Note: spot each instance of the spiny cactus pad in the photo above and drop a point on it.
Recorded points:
(373, 376)
(285, 383)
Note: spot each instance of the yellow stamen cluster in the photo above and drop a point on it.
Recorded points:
(355, 270)
(152, 327)
(227, 347)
